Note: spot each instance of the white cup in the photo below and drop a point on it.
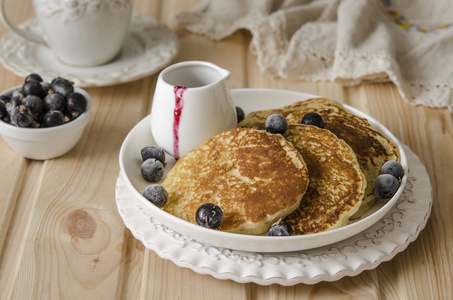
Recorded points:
(81, 33)
(192, 102)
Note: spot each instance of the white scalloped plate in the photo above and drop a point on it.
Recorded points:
(149, 46)
(364, 251)
(250, 100)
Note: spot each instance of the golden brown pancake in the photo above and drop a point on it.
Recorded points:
(370, 146)
(337, 184)
(255, 177)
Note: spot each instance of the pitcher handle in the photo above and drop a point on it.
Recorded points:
(23, 33)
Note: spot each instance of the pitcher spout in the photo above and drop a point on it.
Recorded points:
(224, 73)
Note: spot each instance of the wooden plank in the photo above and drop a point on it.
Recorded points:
(14, 165)
(167, 281)
(133, 267)
(14, 243)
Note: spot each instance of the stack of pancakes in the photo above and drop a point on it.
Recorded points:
(314, 179)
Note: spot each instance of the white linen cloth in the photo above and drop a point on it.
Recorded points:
(408, 42)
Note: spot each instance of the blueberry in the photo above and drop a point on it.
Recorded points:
(209, 215)
(6, 118)
(62, 86)
(16, 100)
(5, 97)
(240, 114)
(153, 152)
(34, 104)
(276, 123)
(33, 87)
(280, 228)
(313, 119)
(53, 118)
(54, 101)
(76, 104)
(156, 194)
(152, 170)
(3, 110)
(21, 116)
(33, 76)
(46, 86)
(394, 168)
(385, 186)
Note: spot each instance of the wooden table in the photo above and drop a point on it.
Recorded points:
(61, 236)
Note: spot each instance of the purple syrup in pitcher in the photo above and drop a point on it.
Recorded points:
(179, 104)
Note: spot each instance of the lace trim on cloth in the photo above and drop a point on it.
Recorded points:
(381, 67)
(313, 51)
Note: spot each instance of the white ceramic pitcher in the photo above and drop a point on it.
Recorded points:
(192, 102)
(81, 33)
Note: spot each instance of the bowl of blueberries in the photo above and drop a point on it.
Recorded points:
(43, 120)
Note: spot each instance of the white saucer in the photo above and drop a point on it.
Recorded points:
(364, 251)
(149, 46)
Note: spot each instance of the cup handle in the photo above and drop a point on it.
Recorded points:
(23, 33)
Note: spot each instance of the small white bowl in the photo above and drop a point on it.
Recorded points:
(46, 143)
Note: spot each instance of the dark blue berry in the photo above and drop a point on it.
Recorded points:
(152, 170)
(33, 87)
(76, 104)
(394, 168)
(5, 97)
(16, 100)
(313, 119)
(6, 119)
(209, 215)
(34, 77)
(62, 86)
(276, 123)
(3, 110)
(385, 186)
(21, 116)
(156, 194)
(34, 104)
(240, 114)
(153, 152)
(280, 228)
(54, 101)
(53, 118)
(46, 86)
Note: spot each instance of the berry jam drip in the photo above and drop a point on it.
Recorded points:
(179, 104)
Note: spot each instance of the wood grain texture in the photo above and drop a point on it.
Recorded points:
(61, 236)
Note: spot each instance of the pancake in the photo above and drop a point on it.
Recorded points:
(337, 184)
(256, 119)
(370, 146)
(254, 176)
